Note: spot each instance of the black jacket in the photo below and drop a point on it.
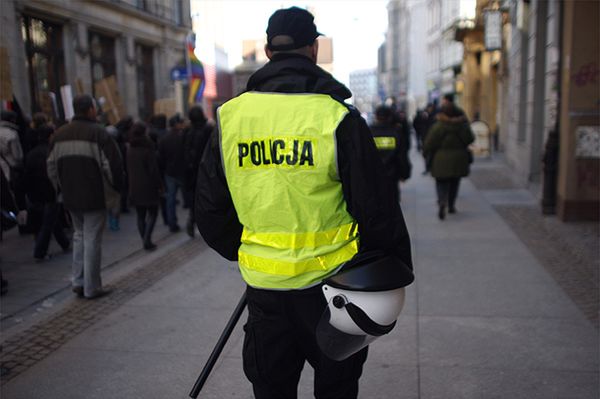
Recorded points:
(396, 162)
(365, 186)
(37, 186)
(84, 161)
(171, 154)
(195, 139)
(145, 181)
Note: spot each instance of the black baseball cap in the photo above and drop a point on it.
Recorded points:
(295, 22)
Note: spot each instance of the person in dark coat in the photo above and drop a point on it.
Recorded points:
(421, 125)
(392, 147)
(123, 126)
(403, 124)
(194, 139)
(171, 158)
(41, 195)
(145, 182)
(158, 130)
(432, 112)
(447, 145)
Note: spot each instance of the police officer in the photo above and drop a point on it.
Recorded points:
(392, 146)
(292, 187)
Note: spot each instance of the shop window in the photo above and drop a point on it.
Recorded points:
(45, 65)
(102, 57)
(145, 80)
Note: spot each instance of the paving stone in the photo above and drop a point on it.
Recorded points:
(40, 340)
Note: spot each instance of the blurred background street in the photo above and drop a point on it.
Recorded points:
(505, 303)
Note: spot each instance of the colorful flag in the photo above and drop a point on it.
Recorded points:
(195, 73)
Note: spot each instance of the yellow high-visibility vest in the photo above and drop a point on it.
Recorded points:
(279, 156)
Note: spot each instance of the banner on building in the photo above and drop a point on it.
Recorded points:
(107, 93)
(66, 95)
(493, 30)
(195, 73)
(166, 106)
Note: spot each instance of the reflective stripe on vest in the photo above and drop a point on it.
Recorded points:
(385, 142)
(280, 162)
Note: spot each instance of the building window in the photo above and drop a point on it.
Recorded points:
(141, 4)
(145, 80)
(178, 12)
(102, 57)
(45, 65)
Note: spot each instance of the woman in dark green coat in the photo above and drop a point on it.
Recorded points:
(446, 146)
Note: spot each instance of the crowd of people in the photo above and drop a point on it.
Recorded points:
(82, 174)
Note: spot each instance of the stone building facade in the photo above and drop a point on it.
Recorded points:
(51, 44)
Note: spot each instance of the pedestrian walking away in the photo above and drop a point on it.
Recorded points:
(172, 161)
(431, 113)
(41, 195)
(420, 124)
(291, 179)
(158, 130)
(447, 146)
(145, 182)
(194, 142)
(392, 147)
(84, 163)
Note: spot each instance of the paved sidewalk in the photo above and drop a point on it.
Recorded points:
(33, 287)
(484, 319)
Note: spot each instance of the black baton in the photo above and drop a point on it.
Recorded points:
(210, 363)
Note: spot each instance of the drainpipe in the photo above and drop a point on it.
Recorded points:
(551, 150)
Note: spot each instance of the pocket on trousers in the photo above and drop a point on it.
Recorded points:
(250, 355)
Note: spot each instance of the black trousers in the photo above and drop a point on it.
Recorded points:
(50, 226)
(447, 191)
(280, 338)
(146, 219)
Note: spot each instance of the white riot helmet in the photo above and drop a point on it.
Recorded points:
(364, 299)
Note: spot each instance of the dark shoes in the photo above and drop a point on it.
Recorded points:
(442, 212)
(149, 246)
(190, 229)
(451, 209)
(42, 259)
(174, 229)
(99, 294)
